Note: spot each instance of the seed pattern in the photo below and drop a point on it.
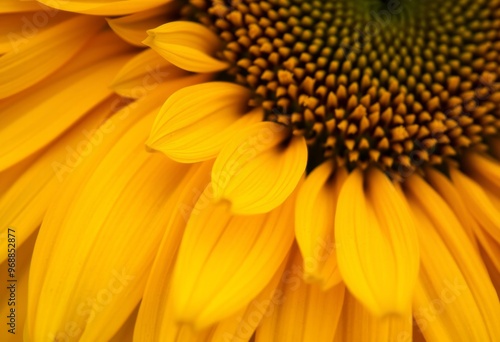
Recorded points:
(400, 84)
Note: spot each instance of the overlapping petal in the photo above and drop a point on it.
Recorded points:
(303, 312)
(454, 298)
(104, 7)
(357, 324)
(224, 260)
(196, 122)
(376, 243)
(315, 218)
(190, 46)
(259, 168)
(119, 185)
(133, 28)
(143, 74)
(25, 128)
(31, 59)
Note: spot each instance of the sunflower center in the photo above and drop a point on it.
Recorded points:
(395, 83)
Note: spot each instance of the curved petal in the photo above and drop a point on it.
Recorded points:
(31, 59)
(196, 122)
(241, 327)
(15, 6)
(138, 208)
(143, 73)
(358, 324)
(25, 129)
(258, 169)
(484, 169)
(478, 202)
(376, 243)
(314, 224)
(304, 311)
(133, 28)
(97, 260)
(26, 201)
(188, 45)
(104, 7)
(20, 283)
(450, 194)
(225, 260)
(454, 298)
(155, 313)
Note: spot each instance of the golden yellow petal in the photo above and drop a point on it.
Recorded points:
(118, 185)
(454, 298)
(16, 29)
(14, 6)
(25, 129)
(155, 320)
(190, 46)
(14, 292)
(143, 74)
(485, 170)
(126, 332)
(259, 168)
(26, 201)
(301, 312)
(104, 7)
(357, 324)
(98, 260)
(133, 28)
(31, 59)
(196, 122)
(449, 193)
(241, 327)
(225, 260)
(478, 203)
(376, 243)
(315, 219)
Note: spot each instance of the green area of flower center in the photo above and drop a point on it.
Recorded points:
(400, 84)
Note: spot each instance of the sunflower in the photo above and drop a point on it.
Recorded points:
(278, 170)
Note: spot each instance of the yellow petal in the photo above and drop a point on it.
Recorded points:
(17, 298)
(259, 168)
(376, 243)
(120, 186)
(16, 29)
(241, 327)
(449, 193)
(478, 202)
(9, 176)
(225, 260)
(104, 7)
(25, 128)
(126, 332)
(143, 73)
(155, 321)
(190, 46)
(454, 298)
(485, 169)
(304, 312)
(315, 219)
(490, 253)
(32, 58)
(358, 324)
(14, 6)
(238, 328)
(132, 28)
(196, 122)
(26, 201)
(97, 261)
